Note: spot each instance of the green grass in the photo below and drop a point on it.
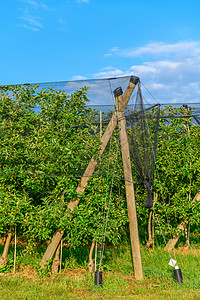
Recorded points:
(118, 278)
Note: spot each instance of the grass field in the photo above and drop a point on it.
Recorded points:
(75, 282)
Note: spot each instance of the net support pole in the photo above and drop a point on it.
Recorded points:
(130, 197)
(89, 171)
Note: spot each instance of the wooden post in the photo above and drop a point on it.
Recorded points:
(130, 197)
(100, 123)
(4, 258)
(89, 171)
(15, 250)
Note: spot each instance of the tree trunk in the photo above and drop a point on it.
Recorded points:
(89, 171)
(150, 226)
(4, 258)
(150, 240)
(172, 242)
(91, 264)
(52, 247)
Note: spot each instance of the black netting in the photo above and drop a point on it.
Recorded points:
(197, 119)
(143, 125)
(84, 123)
(141, 117)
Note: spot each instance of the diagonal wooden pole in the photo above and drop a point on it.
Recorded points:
(89, 171)
(130, 197)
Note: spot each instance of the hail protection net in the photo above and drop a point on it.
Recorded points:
(197, 119)
(58, 126)
(143, 126)
(50, 131)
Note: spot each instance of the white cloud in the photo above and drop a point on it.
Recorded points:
(109, 72)
(33, 22)
(170, 71)
(61, 21)
(31, 12)
(31, 2)
(178, 80)
(108, 54)
(34, 4)
(79, 77)
(82, 1)
(111, 51)
(114, 49)
(162, 49)
(44, 6)
(143, 69)
(30, 27)
(158, 86)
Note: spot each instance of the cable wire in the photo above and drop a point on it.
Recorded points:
(105, 224)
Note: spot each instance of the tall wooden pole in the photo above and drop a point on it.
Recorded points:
(130, 197)
(100, 123)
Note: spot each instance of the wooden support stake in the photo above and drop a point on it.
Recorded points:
(4, 258)
(130, 197)
(95, 258)
(100, 121)
(61, 254)
(15, 250)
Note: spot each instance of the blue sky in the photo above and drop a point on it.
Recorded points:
(53, 40)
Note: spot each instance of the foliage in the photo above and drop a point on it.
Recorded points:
(7, 268)
(42, 153)
(45, 271)
(47, 139)
(177, 180)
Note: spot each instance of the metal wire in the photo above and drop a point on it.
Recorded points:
(149, 92)
(108, 210)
